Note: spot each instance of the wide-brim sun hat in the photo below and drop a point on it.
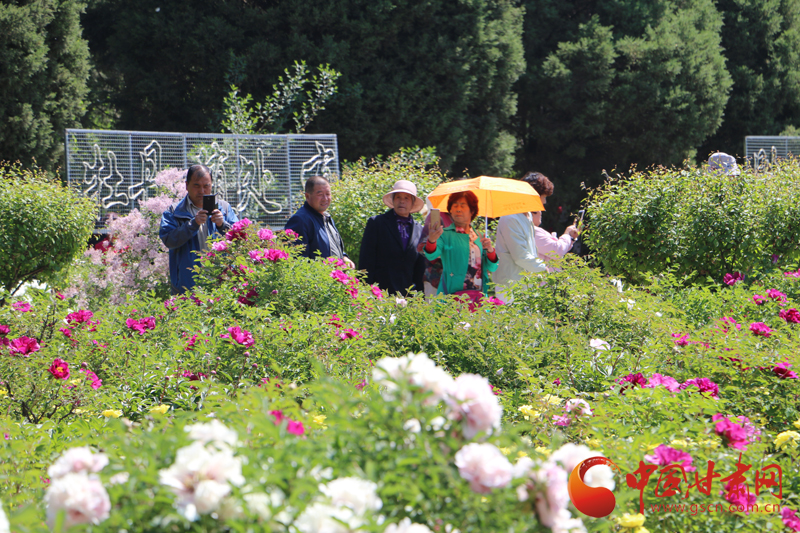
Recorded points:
(724, 164)
(408, 188)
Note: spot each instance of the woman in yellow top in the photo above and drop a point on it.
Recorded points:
(467, 259)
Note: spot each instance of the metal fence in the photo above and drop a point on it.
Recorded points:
(783, 146)
(261, 176)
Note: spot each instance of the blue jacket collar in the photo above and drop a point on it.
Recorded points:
(182, 208)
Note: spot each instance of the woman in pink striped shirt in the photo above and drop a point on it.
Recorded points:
(549, 246)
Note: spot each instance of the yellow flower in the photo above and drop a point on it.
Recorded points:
(484, 499)
(521, 454)
(593, 443)
(631, 520)
(76, 381)
(796, 424)
(551, 399)
(3, 392)
(320, 421)
(543, 450)
(648, 447)
(641, 529)
(529, 412)
(505, 451)
(160, 409)
(787, 439)
(112, 413)
(679, 443)
(78, 411)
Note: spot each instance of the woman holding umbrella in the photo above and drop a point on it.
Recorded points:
(467, 259)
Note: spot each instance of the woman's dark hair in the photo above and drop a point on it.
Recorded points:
(471, 199)
(540, 183)
(196, 170)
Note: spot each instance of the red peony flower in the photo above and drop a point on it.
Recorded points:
(59, 369)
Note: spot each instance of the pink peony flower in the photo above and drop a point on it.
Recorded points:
(495, 301)
(76, 461)
(81, 496)
(704, 384)
(634, 380)
(739, 495)
(758, 299)
(335, 261)
(66, 331)
(193, 376)
(793, 274)
(256, 256)
(729, 322)
(775, 294)
(681, 340)
(664, 455)
(551, 502)
(295, 428)
(266, 235)
(275, 255)
(241, 336)
(376, 292)
(470, 398)
(91, 376)
(60, 296)
(141, 325)
(4, 330)
(579, 407)
(760, 329)
(219, 246)
(670, 383)
(248, 299)
(340, 276)
(484, 467)
(738, 434)
(237, 231)
(561, 420)
(59, 369)
(557, 382)
(348, 334)
(24, 346)
(732, 279)
(782, 371)
(291, 233)
(79, 317)
(22, 307)
(790, 519)
(790, 315)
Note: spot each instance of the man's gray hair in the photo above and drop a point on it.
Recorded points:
(312, 182)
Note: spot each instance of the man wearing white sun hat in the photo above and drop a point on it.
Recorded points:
(389, 246)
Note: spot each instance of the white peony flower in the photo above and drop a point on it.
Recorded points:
(523, 467)
(406, 526)
(470, 397)
(352, 492)
(215, 431)
(569, 455)
(5, 527)
(262, 504)
(412, 426)
(321, 518)
(77, 460)
(564, 523)
(438, 423)
(402, 302)
(82, 497)
(484, 466)
(200, 477)
(119, 478)
(552, 501)
(599, 345)
(416, 369)
(581, 407)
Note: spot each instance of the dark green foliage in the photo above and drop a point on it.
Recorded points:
(695, 222)
(44, 65)
(43, 226)
(762, 46)
(433, 74)
(614, 83)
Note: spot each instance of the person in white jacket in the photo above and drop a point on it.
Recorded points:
(522, 246)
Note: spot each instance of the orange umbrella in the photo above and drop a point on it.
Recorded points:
(497, 197)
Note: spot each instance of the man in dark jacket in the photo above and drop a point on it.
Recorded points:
(389, 246)
(186, 226)
(314, 225)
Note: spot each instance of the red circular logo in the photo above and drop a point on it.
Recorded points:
(591, 501)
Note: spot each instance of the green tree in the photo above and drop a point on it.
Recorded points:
(612, 83)
(44, 65)
(762, 45)
(438, 73)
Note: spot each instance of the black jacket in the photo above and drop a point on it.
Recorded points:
(389, 265)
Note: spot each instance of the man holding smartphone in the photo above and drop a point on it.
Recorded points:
(185, 226)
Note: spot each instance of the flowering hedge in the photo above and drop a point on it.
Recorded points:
(696, 222)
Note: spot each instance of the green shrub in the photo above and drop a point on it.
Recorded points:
(43, 225)
(358, 195)
(695, 222)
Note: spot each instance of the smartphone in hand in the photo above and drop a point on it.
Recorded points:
(579, 224)
(436, 219)
(209, 203)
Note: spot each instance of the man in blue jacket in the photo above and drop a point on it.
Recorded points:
(314, 224)
(186, 226)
